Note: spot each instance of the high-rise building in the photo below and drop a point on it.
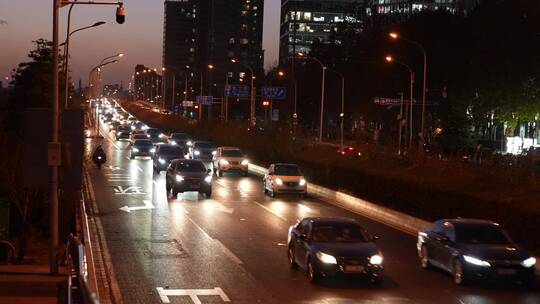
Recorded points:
(384, 7)
(305, 22)
(197, 33)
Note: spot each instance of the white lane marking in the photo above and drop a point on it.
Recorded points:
(282, 244)
(193, 294)
(271, 211)
(120, 190)
(115, 168)
(127, 158)
(305, 208)
(229, 253)
(222, 208)
(147, 206)
(202, 230)
(139, 168)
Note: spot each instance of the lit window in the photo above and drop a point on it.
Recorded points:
(244, 41)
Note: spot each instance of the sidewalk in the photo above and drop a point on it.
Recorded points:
(30, 284)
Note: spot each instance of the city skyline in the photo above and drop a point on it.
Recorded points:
(89, 47)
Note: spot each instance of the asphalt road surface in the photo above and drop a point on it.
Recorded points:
(232, 247)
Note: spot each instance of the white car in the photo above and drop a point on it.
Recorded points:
(230, 159)
(284, 178)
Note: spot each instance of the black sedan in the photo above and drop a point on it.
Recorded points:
(164, 154)
(334, 247)
(142, 147)
(471, 248)
(180, 139)
(184, 175)
(156, 136)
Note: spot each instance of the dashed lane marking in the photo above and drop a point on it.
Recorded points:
(229, 253)
(271, 211)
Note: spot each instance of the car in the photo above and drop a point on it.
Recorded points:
(178, 138)
(203, 150)
(156, 136)
(230, 159)
(142, 147)
(138, 136)
(328, 247)
(123, 132)
(165, 154)
(112, 125)
(474, 248)
(185, 175)
(284, 178)
(138, 126)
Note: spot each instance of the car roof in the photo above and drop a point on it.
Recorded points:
(470, 222)
(178, 133)
(331, 220)
(229, 148)
(187, 161)
(140, 141)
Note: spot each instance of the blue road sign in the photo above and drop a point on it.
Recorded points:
(234, 90)
(205, 100)
(274, 93)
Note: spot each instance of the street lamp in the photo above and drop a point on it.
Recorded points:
(323, 68)
(342, 114)
(396, 36)
(225, 98)
(252, 91)
(390, 59)
(119, 55)
(66, 53)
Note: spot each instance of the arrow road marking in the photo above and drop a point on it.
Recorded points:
(129, 190)
(147, 205)
(194, 294)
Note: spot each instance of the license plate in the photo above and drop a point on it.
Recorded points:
(506, 271)
(354, 268)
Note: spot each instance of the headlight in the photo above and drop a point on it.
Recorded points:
(224, 162)
(153, 150)
(173, 142)
(326, 258)
(245, 162)
(161, 161)
(189, 143)
(135, 150)
(214, 152)
(530, 262)
(161, 135)
(376, 259)
(145, 127)
(196, 152)
(279, 182)
(148, 135)
(208, 179)
(132, 127)
(302, 182)
(179, 178)
(475, 261)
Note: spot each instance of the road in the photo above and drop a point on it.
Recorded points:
(232, 247)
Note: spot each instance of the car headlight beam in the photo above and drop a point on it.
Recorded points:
(530, 262)
(135, 150)
(197, 152)
(245, 162)
(376, 259)
(161, 161)
(153, 150)
(302, 182)
(326, 258)
(179, 178)
(476, 261)
(208, 179)
(279, 182)
(224, 162)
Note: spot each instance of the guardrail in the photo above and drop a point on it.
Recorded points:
(389, 217)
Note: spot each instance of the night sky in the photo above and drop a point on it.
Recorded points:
(141, 37)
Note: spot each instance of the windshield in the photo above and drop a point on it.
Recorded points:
(179, 136)
(287, 170)
(339, 233)
(204, 145)
(481, 234)
(152, 131)
(143, 143)
(172, 150)
(190, 166)
(231, 153)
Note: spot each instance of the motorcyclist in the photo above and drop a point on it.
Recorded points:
(99, 157)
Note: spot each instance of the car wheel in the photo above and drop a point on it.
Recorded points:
(132, 156)
(245, 174)
(174, 193)
(220, 173)
(208, 194)
(424, 257)
(313, 274)
(290, 255)
(167, 187)
(458, 272)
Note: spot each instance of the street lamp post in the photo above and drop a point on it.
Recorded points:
(342, 114)
(422, 130)
(411, 72)
(252, 91)
(295, 113)
(120, 55)
(66, 53)
(225, 100)
(323, 68)
(91, 85)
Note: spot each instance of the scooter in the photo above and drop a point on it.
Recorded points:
(99, 161)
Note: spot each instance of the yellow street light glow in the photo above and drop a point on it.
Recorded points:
(281, 73)
(393, 35)
(163, 69)
(300, 54)
(121, 55)
(210, 66)
(389, 58)
(233, 60)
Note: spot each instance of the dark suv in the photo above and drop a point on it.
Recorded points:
(142, 147)
(165, 154)
(185, 175)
